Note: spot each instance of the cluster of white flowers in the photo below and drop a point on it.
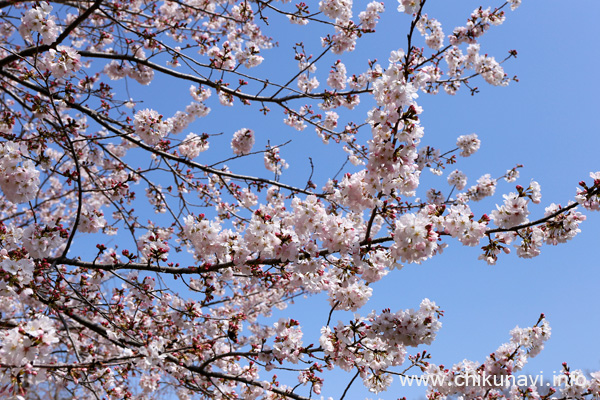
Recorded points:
(532, 338)
(43, 241)
(586, 196)
(427, 77)
(151, 126)
(242, 141)
(532, 239)
(38, 19)
(559, 229)
(306, 84)
(459, 224)
(149, 382)
(63, 61)
(222, 58)
(480, 21)
(288, 342)
(196, 109)
(408, 327)
(431, 29)
(484, 65)
(91, 220)
(273, 162)
(473, 380)
(116, 70)
(266, 234)
(207, 238)
(247, 198)
(563, 227)
(31, 341)
(295, 120)
(392, 156)
(154, 245)
(383, 341)
(297, 19)
(249, 57)
(152, 353)
(391, 91)
(182, 119)
(491, 71)
(119, 69)
(414, 238)
(457, 178)
(19, 180)
(330, 122)
(511, 175)
(486, 186)
(193, 145)
(434, 196)
(514, 4)
(344, 39)
(409, 6)
(455, 59)
(577, 385)
(340, 10)
(376, 266)
(199, 94)
(468, 144)
(512, 213)
(514, 210)
(337, 76)
(21, 269)
(370, 17)
(347, 294)
(354, 193)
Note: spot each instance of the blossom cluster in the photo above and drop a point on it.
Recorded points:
(21, 269)
(193, 145)
(63, 61)
(19, 179)
(431, 29)
(43, 241)
(151, 126)
(415, 239)
(378, 342)
(30, 342)
(475, 379)
(468, 144)
(242, 141)
(589, 197)
(38, 19)
(116, 70)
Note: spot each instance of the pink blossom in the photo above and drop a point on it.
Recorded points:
(242, 141)
(151, 126)
(193, 145)
(468, 144)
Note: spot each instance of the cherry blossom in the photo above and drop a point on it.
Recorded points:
(193, 145)
(38, 19)
(242, 141)
(146, 253)
(468, 144)
(151, 126)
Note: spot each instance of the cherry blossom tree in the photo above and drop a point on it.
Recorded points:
(135, 263)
